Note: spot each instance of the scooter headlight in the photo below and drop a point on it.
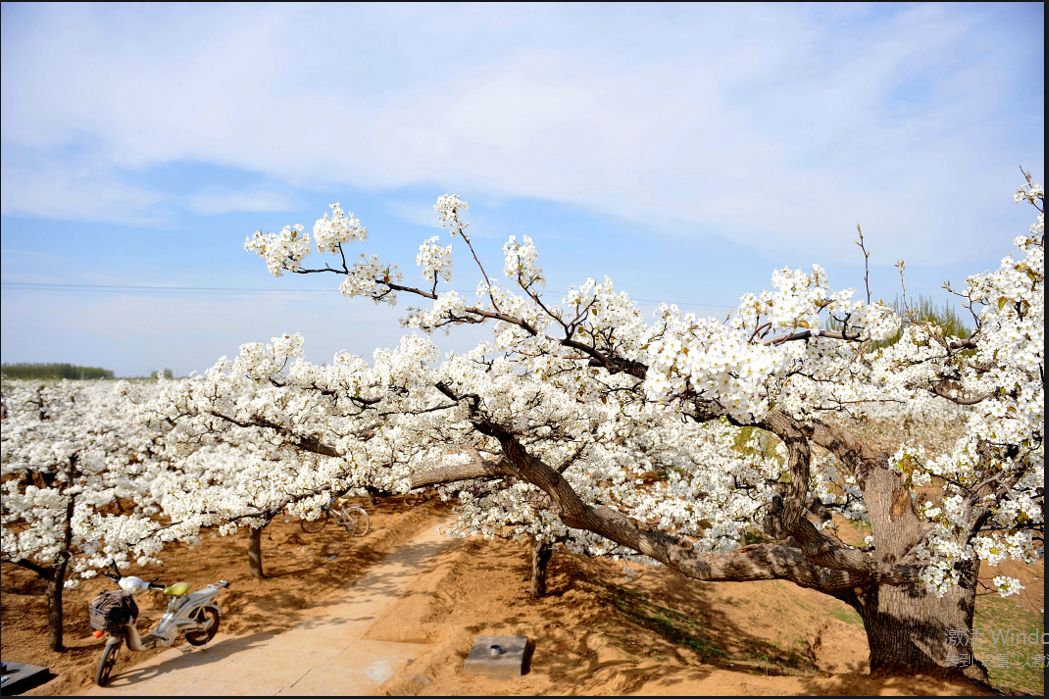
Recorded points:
(133, 585)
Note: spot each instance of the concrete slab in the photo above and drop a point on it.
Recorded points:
(500, 657)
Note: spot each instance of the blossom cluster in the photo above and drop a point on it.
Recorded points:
(520, 262)
(435, 261)
(72, 443)
(330, 233)
(449, 209)
(281, 251)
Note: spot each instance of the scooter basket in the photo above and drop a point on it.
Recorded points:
(110, 610)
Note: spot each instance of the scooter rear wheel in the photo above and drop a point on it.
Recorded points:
(202, 615)
(105, 665)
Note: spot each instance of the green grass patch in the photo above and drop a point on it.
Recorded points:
(1007, 638)
(847, 615)
(782, 658)
(676, 627)
(703, 636)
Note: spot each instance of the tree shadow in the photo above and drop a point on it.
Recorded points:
(624, 635)
(189, 657)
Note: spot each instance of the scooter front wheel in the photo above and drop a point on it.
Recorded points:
(105, 665)
(202, 616)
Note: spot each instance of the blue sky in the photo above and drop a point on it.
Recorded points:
(684, 150)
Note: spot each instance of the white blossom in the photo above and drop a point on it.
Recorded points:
(435, 261)
(332, 232)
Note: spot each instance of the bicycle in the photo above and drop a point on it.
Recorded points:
(353, 518)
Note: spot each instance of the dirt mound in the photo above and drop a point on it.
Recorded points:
(609, 627)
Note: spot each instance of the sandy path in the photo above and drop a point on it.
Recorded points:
(326, 654)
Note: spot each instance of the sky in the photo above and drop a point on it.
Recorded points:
(685, 151)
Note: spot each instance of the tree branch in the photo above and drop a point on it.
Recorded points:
(44, 572)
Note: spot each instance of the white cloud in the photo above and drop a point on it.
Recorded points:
(74, 191)
(778, 127)
(417, 211)
(252, 199)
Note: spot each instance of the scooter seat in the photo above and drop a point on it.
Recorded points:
(177, 589)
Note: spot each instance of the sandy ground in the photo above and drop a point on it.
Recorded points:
(613, 628)
(305, 571)
(326, 653)
(607, 627)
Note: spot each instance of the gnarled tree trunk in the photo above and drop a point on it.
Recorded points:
(911, 630)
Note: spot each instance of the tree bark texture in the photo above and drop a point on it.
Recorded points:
(255, 552)
(541, 553)
(55, 585)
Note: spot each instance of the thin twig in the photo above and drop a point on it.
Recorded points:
(866, 262)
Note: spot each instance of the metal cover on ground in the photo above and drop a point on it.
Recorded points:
(18, 677)
(501, 657)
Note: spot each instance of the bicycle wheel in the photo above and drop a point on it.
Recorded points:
(203, 615)
(105, 665)
(355, 520)
(312, 526)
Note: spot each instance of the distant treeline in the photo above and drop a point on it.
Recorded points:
(53, 371)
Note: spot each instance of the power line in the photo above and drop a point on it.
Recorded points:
(233, 291)
(56, 286)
